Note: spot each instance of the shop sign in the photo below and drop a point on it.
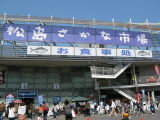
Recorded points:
(26, 94)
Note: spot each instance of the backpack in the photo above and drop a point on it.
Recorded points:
(45, 108)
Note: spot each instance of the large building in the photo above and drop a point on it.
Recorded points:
(50, 57)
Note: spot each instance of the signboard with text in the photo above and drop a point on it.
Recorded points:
(68, 34)
(26, 94)
(78, 51)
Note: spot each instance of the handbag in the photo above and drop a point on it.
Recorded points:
(73, 113)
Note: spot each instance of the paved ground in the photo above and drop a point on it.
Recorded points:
(147, 116)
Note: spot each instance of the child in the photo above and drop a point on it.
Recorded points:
(125, 116)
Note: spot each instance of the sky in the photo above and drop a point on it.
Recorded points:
(103, 10)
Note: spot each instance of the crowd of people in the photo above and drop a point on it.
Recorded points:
(124, 107)
(23, 111)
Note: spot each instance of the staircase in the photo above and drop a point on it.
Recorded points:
(127, 93)
(106, 72)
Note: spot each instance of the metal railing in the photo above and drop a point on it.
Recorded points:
(150, 26)
(106, 70)
(148, 79)
(102, 70)
(13, 51)
(126, 91)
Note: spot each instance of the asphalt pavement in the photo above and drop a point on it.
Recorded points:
(146, 116)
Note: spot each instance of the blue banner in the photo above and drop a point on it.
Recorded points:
(41, 33)
(84, 35)
(124, 38)
(142, 39)
(40, 100)
(26, 94)
(62, 34)
(104, 36)
(15, 32)
(143, 95)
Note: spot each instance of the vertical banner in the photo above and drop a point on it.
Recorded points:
(138, 97)
(40, 100)
(148, 97)
(156, 68)
(153, 96)
(143, 95)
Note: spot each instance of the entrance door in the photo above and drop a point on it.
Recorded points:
(28, 100)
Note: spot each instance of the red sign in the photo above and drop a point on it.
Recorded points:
(138, 97)
(156, 67)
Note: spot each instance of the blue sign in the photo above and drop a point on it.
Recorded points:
(84, 35)
(15, 32)
(26, 94)
(104, 36)
(67, 34)
(39, 33)
(62, 34)
(124, 38)
(40, 100)
(142, 39)
(56, 99)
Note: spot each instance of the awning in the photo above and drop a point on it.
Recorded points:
(79, 98)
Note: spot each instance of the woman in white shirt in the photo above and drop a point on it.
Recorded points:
(113, 106)
(11, 111)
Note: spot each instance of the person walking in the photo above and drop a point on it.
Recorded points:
(139, 108)
(2, 110)
(131, 106)
(113, 106)
(152, 106)
(45, 111)
(30, 111)
(54, 110)
(67, 110)
(11, 111)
